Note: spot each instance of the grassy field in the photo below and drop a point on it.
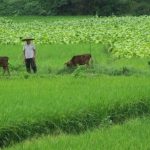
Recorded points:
(52, 105)
(132, 135)
(51, 60)
(35, 106)
(64, 104)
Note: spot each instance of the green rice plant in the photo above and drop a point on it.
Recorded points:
(132, 135)
(35, 105)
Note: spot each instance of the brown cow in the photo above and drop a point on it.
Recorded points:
(4, 64)
(79, 60)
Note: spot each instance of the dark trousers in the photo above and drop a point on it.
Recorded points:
(30, 64)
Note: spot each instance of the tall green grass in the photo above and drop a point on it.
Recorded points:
(61, 100)
(133, 135)
(51, 59)
(56, 104)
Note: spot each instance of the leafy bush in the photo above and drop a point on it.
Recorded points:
(74, 7)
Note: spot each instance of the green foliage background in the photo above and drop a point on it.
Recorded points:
(74, 7)
(121, 36)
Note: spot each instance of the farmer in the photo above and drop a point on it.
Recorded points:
(29, 55)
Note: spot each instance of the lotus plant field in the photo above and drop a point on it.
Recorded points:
(124, 36)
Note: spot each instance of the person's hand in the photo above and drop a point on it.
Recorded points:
(34, 58)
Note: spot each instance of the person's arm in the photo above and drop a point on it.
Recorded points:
(24, 53)
(34, 53)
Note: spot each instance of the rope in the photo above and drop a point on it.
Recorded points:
(90, 36)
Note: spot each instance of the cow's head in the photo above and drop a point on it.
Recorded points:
(69, 64)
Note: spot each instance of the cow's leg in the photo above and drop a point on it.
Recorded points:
(4, 70)
(91, 61)
(8, 71)
(87, 63)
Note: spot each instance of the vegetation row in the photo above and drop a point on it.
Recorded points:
(28, 115)
(122, 36)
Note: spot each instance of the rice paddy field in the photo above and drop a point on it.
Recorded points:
(103, 106)
(131, 135)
